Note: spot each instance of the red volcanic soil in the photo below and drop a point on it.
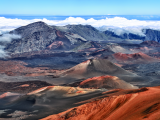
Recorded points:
(60, 34)
(136, 57)
(136, 104)
(119, 65)
(106, 81)
(151, 43)
(13, 68)
(55, 45)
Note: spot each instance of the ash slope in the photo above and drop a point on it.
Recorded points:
(120, 105)
(97, 67)
(50, 99)
(43, 102)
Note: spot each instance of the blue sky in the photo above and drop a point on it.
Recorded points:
(80, 7)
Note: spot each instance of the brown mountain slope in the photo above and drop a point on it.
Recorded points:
(92, 68)
(134, 58)
(137, 104)
(106, 81)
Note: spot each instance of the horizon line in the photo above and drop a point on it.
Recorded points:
(82, 15)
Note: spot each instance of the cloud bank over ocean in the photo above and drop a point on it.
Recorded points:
(119, 25)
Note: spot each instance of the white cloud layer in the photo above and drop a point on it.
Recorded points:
(119, 25)
(6, 38)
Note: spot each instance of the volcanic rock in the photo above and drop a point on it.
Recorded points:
(56, 45)
(38, 36)
(88, 46)
(86, 31)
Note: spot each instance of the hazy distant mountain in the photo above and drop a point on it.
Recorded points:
(124, 36)
(150, 34)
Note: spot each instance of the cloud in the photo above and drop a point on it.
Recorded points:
(7, 24)
(2, 52)
(6, 38)
(9, 37)
(119, 31)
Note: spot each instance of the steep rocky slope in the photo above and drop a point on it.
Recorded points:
(86, 31)
(121, 105)
(38, 36)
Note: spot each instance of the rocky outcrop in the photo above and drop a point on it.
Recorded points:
(56, 45)
(38, 36)
(86, 31)
(35, 36)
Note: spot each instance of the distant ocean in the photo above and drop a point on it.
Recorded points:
(96, 17)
